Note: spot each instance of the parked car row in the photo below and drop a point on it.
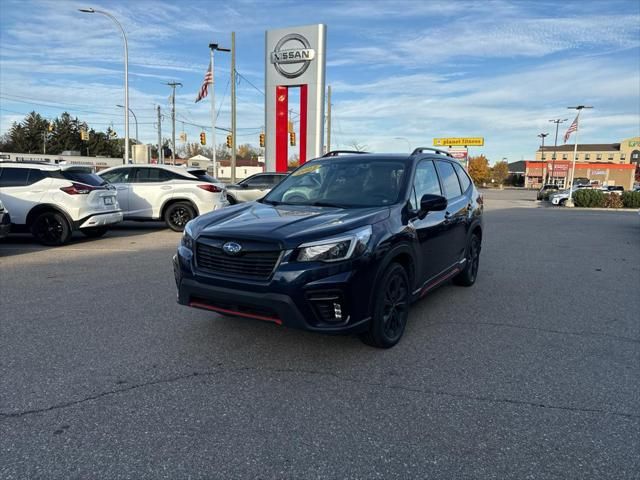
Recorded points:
(51, 201)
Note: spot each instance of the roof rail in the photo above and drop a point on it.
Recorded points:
(431, 149)
(335, 153)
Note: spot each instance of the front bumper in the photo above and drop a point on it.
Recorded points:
(101, 220)
(297, 295)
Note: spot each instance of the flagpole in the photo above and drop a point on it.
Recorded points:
(213, 47)
(569, 202)
(213, 113)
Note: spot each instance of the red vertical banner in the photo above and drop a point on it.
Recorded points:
(303, 124)
(282, 128)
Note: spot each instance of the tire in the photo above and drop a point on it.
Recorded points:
(467, 277)
(51, 228)
(177, 215)
(94, 232)
(391, 308)
(232, 201)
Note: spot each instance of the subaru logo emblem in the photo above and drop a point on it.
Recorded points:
(231, 248)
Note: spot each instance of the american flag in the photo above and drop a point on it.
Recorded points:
(572, 128)
(204, 89)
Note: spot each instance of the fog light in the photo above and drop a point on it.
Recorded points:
(337, 311)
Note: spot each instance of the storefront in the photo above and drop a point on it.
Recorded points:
(601, 174)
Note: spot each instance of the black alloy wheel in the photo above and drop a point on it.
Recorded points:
(178, 215)
(391, 309)
(467, 277)
(51, 228)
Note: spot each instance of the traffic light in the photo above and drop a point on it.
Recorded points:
(229, 141)
(203, 138)
(50, 127)
(84, 135)
(262, 140)
(292, 139)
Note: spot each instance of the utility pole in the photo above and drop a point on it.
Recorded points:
(542, 136)
(233, 107)
(555, 147)
(159, 137)
(213, 47)
(328, 119)
(579, 108)
(173, 85)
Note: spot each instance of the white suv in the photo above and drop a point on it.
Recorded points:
(51, 201)
(164, 192)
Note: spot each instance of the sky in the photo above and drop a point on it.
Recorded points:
(402, 72)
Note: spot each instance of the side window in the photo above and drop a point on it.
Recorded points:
(425, 182)
(35, 175)
(14, 177)
(465, 181)
(151, 175)
(256, 182)
(449, 180)
(117, 176)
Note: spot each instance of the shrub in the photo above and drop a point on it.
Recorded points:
(588, 198)
(612, 200)
(631, 199)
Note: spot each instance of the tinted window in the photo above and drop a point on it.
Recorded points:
(14, 177)
(117, 176)
(449, 180)
(465, 182)
(35, 176)
(257, 181)
(150, 175)
(86, 177)
(204, 176)
(275, 179)
(425, 182)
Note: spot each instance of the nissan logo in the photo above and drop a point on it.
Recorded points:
(292, 55)
(231, 248)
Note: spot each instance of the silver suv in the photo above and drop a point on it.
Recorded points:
(52, 201)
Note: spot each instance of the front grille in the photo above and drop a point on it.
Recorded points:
(256, 265)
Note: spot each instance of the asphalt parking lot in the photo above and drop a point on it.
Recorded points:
(531, 373)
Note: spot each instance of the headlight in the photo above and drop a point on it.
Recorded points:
(335, 249)
(187, 237)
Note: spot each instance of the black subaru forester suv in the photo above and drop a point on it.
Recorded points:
(343, 245)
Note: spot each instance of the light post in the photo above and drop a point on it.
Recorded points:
(135, 119)
(126, 78)
(542, 136)
(405, 139)
(555, 147)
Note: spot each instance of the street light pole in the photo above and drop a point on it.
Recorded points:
(406, 140)
(542, 136)
(555, 146)
(136, 121)
(213, 47)
(126, 78)
(579, 108)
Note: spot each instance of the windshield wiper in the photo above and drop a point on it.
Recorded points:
(271, 202)
(327, 204)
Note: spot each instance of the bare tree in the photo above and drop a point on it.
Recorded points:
(358, 147)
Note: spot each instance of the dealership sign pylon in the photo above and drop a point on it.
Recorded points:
(294, 58)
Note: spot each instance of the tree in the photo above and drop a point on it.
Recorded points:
(500, 172)
(479, 169)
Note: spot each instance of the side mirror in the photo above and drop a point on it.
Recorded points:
(431, 203)
(244, 185)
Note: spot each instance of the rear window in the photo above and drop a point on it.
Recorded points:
(86, 177)
(204, 176)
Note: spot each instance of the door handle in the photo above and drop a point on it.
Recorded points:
(166, 187)
(121, 188)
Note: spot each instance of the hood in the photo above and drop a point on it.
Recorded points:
(287, 224)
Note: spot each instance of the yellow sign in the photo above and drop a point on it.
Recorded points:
(459, 142)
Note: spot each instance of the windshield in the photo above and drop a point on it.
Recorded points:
(342, 183)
